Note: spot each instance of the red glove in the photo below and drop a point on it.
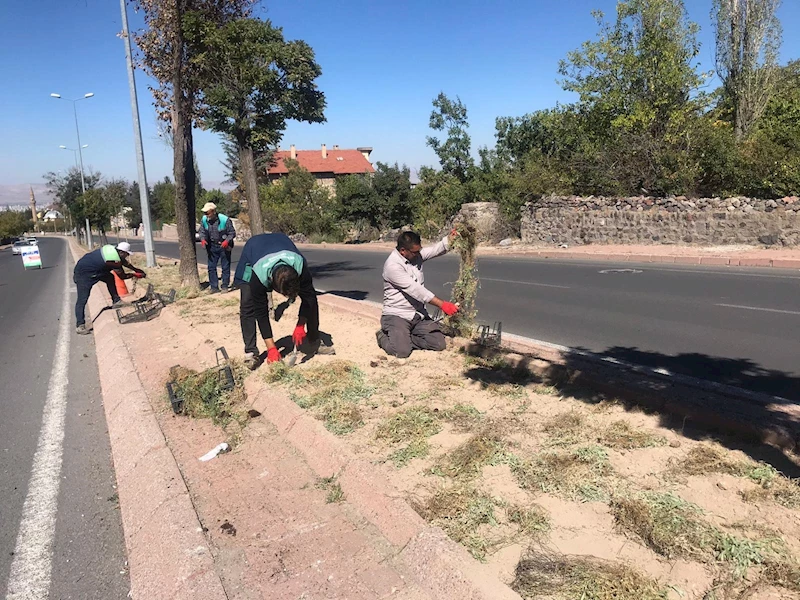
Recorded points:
(449, 308)
(225, 244)
(299, 334)
(203, 243)
(273, 355)
(139, 275)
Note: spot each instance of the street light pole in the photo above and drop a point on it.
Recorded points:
(149, 249)
(80, 154)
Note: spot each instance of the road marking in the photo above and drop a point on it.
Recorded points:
(774, 310)
(550, 285)
(32, 567)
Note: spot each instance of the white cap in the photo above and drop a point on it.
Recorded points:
(124, 246)
(208, 206)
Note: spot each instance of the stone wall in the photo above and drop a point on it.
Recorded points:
(642, 220)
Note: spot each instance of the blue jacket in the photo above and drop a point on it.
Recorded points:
(221, 229)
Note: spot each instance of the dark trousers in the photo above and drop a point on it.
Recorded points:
(218, 254)
(85, 284)
(401, 336)
(254, 309)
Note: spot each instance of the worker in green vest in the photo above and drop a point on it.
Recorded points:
(216, 236)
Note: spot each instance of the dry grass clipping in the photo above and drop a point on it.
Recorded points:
(565, 429)
(166, 277)
(467, 460)
(571, 577)
(532, 520)
(333, 391)
(465, 289)
(580, 474)
(621, 436)
(460, 511)
(704, 459)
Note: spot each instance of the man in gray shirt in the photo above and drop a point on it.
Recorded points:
(405, 323)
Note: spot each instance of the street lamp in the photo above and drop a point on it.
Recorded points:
(80, 153)
(75, 151)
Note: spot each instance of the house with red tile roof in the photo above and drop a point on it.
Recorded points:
(326, 165)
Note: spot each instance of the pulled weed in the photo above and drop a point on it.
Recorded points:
(465, 289)
(204, 397)
(571, 577)
(460, 511)
(467, 460)
(463, 417)
(533, 520)
(583, 474)
(621, 436)
(565, 429)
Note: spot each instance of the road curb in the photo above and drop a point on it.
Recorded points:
(168, 554)
(724, 408)
(439, 565)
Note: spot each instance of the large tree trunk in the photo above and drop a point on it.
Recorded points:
(248, 166)
(183, 166)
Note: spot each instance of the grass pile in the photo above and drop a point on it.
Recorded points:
(467, 460)
(565, 429)
(532, 520)
(166, 277)
(204, 397)
(460, 511)
(582, 473)
(332, 391)
(465, 289)
(569, 577)
(621, 436)
(413, 425)
(705, 459)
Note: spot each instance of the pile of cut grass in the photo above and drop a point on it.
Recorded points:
(467, 460)
(463, 417)
(465, 289)
(571, 577)
(533, 520)
(204, 398)
(583, 473)
(566, 428)
(333, 391)
(621, 436)
(460, 511)
(705, 459)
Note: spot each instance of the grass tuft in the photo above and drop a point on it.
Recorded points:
(418, 448)
(460, 511)
(533, 520)
(333, 487)
(467, 460)
(572, 577)
(580, 474)
(621, 436)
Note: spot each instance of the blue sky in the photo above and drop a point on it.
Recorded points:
(383, 62)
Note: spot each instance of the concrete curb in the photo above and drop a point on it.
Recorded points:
(725, 408)
(440, 566)
(168, 554)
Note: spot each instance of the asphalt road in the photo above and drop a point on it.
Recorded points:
(735, 326)
(60, 524)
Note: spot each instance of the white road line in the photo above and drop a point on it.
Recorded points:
(550, 285)
(32, 566)
(773, 310)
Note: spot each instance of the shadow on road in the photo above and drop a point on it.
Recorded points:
(330, 269)
(352, 294)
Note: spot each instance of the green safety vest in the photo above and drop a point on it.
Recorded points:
(223, 222)
(110, 253)
(266, 265)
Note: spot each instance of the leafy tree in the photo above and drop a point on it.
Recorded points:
(296, 204)
(392, 185)
(134, 216)
(14, 223)
(437, 197)
(748, 36)
(358, 201)
(251, 83)
(450, 116)
(67, 189)
(166, 57)
(223, 201)
(163, 200)
(639, 90)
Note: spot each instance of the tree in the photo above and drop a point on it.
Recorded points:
(67, 189)
(14, 223)
(167, 59)
(224, 202)
(454, 152)
(392, 185)
(639, 91)
(251, 83)
(358, 202)
(748, 36)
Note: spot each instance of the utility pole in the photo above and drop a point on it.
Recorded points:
(149, 250)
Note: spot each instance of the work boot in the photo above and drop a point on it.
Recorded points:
(252, 360)
(82, 330)
(319, 347)
(213, 291)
